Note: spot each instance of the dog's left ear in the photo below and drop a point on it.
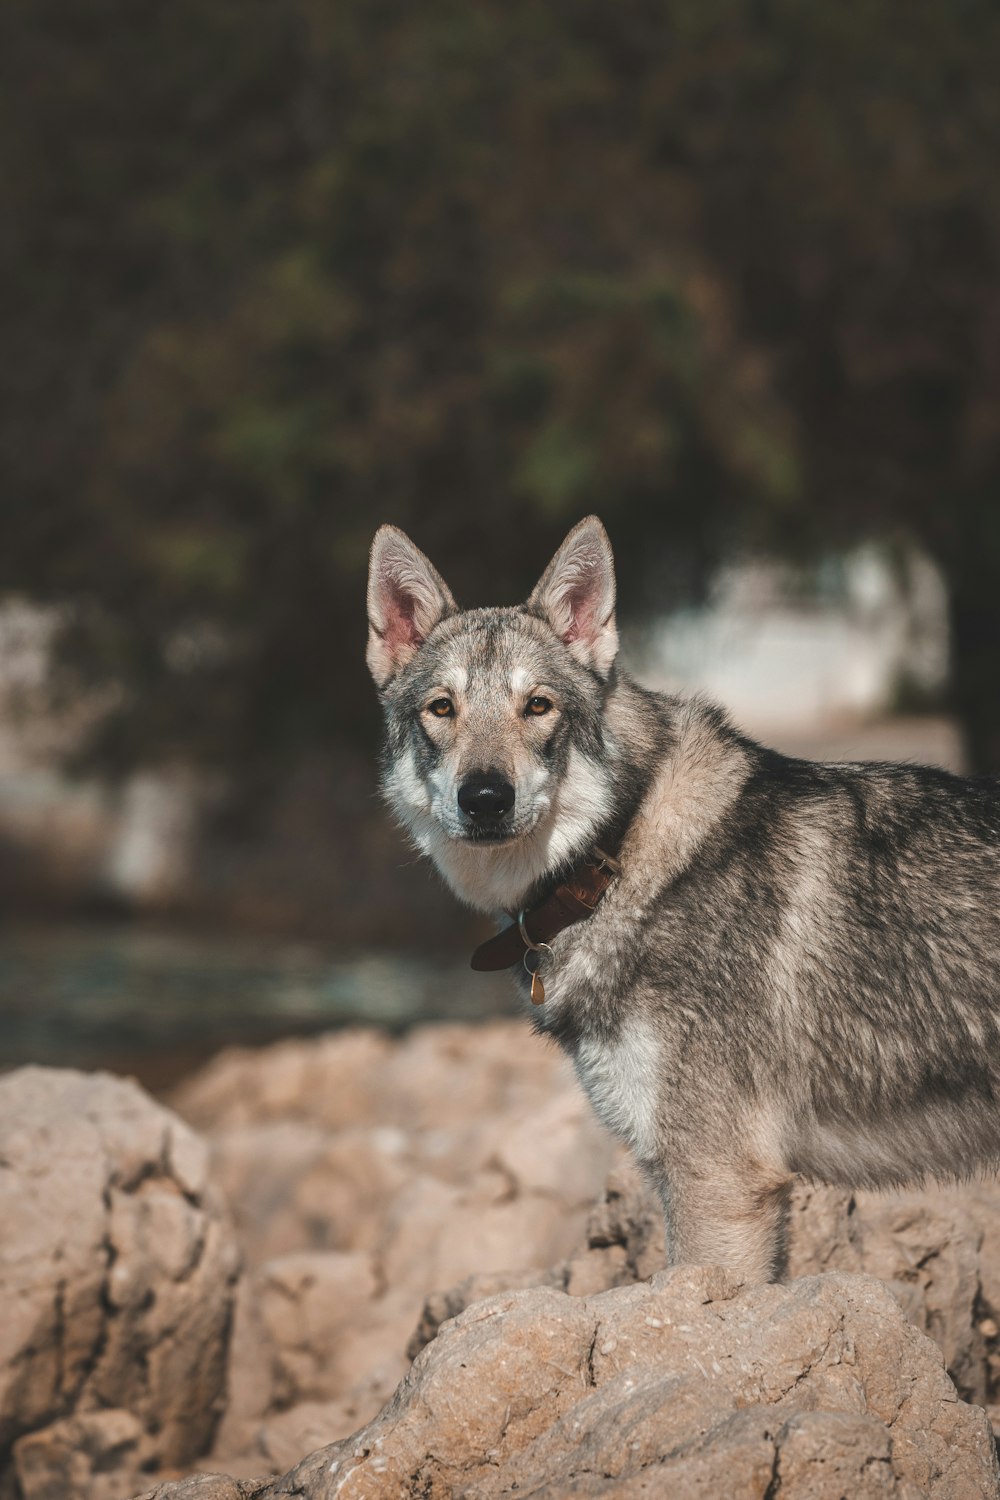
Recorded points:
(576, 595)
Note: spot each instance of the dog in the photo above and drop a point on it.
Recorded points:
(760, 966)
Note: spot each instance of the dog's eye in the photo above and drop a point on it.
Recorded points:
(442, 708)
(537, 706)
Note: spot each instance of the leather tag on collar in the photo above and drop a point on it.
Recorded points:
(573, 901)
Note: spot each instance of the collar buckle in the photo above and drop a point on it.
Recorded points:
(605, 861)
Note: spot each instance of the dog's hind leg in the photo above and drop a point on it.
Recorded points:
(730, 1213)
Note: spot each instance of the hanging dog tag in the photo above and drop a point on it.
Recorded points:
(533, 961)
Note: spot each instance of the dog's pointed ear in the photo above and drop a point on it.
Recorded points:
(576, 595)
(406, 598)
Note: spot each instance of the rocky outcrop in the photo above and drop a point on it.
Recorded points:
(364, 1173)
(937, 1250)
(623, 1243)
(432, 1200)
(442, 1169)
(343, 1141)
(688, 1385)
(117, 1271)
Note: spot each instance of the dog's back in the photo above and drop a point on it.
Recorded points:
(841, 926)
(873, 892)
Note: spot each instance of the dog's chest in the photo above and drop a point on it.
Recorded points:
(621, 1078)
(618, 1065)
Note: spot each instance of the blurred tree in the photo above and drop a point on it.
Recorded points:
(855, 203)
(723, 270)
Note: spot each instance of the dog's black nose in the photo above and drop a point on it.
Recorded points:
(486, 795)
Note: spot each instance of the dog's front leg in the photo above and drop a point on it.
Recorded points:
(726, 1212)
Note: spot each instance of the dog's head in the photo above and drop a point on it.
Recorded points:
(495, 750)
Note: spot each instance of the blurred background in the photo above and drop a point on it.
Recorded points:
(726, 272)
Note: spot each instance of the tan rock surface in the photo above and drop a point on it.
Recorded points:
(363, 1076)
(441, 1171)
(937, 1249)
(117, 1268)
(313, 1142)
(459, 1162)
(206, 1487)
(688, 1386)
(417, 1163)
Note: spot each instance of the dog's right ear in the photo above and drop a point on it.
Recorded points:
(406, 598)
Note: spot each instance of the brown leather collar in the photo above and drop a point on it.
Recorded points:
(573, 901)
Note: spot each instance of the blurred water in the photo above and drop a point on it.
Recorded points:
(156, 1003)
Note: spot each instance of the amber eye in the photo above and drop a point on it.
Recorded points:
(537, 706)
(442, 708)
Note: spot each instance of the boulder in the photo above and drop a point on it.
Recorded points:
(364, 1173)
(333, 1326)
(937, 1250)
(453, 1171)
(96, 1454)
(438, 1077)
(687, 1385)
(461, 1162)
(206, 1487)
(117, 1273)
(318, 1144)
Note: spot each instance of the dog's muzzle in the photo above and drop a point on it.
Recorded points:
(487, 800)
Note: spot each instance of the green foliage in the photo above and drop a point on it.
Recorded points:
(726, 272)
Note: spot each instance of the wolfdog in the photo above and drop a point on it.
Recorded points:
(759, 965)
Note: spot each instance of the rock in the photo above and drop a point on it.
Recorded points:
(623, 1243)
(96, 1454)
(304, 1302)
(304, 1332)
(206, 1487)
(454, 1151)
(313, 1141)
(117, 1269)
(294, 1185)
(686, 1385)
(490, 1113)
(324, 1080)
(437, 1078)
(938, 1250)
(440, 1307)
(283, 1439)
(458, 1163)
(334, 1326)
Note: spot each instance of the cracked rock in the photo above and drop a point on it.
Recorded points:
(937, 1249)
(364, 1173)
(370, 1177)
(688, 1385)
(117, 1269)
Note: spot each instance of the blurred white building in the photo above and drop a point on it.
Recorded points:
(861, 637)
(132, 841)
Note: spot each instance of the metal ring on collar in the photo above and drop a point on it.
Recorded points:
(526, 940)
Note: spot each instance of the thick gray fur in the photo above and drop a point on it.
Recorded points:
(797, 970)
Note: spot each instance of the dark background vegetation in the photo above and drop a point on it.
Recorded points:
(725, 271)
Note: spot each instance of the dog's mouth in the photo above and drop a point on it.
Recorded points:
(494, 833)
(498, 832)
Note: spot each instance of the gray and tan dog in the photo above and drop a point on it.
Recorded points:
(797, 968)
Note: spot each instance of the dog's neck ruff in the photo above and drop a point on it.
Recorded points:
(573, 901)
